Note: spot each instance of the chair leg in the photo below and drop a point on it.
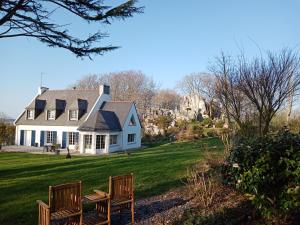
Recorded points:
(132, 212)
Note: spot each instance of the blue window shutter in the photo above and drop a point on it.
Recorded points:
(54, 137)
(32, 138)
(22, 137)
(42, 137)
(64, 140)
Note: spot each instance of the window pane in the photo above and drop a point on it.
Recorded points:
(51, 115)
(73, 114)
(98, 142)
(30, 114)
(49, 137)
(102, 144)
(113, 139)
(131, 137)
(88, 141)
(72, 138)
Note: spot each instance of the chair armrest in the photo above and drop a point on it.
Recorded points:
(44, 213)
(42, 204)
(102, 193)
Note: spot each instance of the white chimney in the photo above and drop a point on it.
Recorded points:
(104, 89)
(41, 90)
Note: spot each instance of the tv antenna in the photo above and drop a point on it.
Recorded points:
(42, 74)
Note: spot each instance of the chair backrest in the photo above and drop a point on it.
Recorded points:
(65, 196)
(121, 187)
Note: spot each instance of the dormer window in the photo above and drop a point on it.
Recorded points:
(30, 114)
(51, 115)
(132, 121)
(73, 115)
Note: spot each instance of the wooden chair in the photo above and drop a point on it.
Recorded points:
(121, 193)
(64, 204)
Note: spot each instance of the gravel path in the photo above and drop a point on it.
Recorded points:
(158, 209)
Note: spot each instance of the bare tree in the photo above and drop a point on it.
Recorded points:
(125, 86)
(263, 85)
(269, 82)
(87, 82)
(34, 19)
(167, 99)
(233, 101)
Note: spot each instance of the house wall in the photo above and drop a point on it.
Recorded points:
(127, 129)
(38, 129)
(108, 148)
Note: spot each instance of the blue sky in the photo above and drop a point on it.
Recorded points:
(171, 39)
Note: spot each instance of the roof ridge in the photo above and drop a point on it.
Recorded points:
(123, 101)
(72, 90)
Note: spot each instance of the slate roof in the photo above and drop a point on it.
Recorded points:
(101, 120)
(120, 108)
(111, 116)
(61, 99)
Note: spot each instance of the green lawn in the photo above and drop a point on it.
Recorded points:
(25, 177)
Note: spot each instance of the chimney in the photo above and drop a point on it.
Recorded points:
(41, 90)
(104, 89)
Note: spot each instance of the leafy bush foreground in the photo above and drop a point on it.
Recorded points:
(268, 171)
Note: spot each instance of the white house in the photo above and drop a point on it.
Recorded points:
(86, 120)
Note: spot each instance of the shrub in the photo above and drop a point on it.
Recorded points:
(268, 170)
(219, 124)
(7, 133)
(207, 122)
(182, 124)
(196, 129)
(212, 133)
(202, 181)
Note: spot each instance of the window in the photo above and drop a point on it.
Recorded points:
(73, 138)
(100, 141)
(30, 114)
(113, 139)
(51, 114)
(132, 121)
(131, 138)
(49, 137)
(88, 141)
(73, 115)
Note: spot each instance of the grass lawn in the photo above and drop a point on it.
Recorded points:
(25, 177)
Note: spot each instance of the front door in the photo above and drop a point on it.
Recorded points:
(88, 143)
(100, 144)
(27, 137)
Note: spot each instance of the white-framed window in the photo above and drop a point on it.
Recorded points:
(30, 114)
(100, 141)
(132, 121)
(49, 137)
(131, 138)
(88, 141)
(51, 114)
(73, 138)
(73, 115)
(113, 139)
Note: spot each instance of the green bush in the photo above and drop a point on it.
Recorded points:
(195, 128)
(268, 170)
(182, 124)
(207, 122)
(7, 134)
(212, 133)
(219, 124)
